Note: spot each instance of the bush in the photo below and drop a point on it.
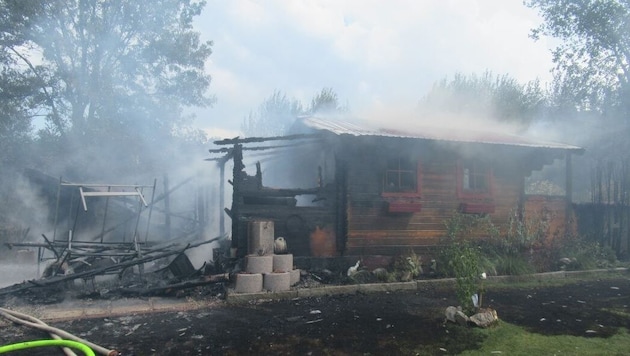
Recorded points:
(512, 264)
(462, 260)
(587, 255)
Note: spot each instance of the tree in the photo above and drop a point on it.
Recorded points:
(326, 102)
(487, 96)
(277, 113)
(592, 63)
(107, 74)
(273, 117)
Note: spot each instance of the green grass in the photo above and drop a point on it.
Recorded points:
(513, 340)
(531, 281)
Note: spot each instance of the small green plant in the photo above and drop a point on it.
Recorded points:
(512, 264)
(584, 255)
(407, 266)
(460, 259)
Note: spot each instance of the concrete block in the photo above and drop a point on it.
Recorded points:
(282, 263)
(260, 237)
(275, 282)
(259, 264)
(248, 283)
(295, 276)
(387, 287)
(328, 290)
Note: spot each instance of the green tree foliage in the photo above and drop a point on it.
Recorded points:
(592, 63)
(277, 113)
(105, 74)
(326, 102)
(498, 97)
(273, 117)
(15, 123)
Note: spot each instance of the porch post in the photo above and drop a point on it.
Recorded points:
(568, 189)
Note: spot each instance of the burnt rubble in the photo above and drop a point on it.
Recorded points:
(115, 270)
(110, 241)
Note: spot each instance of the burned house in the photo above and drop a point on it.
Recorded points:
(351, 190)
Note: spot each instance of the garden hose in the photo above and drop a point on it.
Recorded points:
(28, 320)
(43, 343)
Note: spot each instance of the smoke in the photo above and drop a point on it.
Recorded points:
(415, 121)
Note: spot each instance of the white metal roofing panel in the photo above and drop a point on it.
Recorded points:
(340, 127)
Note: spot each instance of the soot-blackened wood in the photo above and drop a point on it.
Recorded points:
(341, 213)
(239, 240)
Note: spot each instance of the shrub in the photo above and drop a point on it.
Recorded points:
(512, 264)
(460, 259)
(588, 255)
(407, 266)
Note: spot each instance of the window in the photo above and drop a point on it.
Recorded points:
(401, 177)
(401, 186)
(474, 179)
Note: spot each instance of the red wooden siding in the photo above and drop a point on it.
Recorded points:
(373, 230)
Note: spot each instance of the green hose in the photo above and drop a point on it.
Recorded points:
(41, 343)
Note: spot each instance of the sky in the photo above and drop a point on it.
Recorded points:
(379, 56)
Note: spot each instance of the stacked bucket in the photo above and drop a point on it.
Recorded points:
(264, 269)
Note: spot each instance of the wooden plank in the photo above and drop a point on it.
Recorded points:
(425, 252)
(372, 234)
(387, 241)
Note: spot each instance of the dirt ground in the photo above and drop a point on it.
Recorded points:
(395, 323)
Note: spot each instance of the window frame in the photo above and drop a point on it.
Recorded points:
(410, 193)
(462, 193)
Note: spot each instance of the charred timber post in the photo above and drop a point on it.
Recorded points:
(222, 199)
(238, 237)
(221, 162)
(569, 190)
(167, 209)
(146, 235)
(109, 189)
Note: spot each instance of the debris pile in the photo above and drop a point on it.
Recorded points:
(159, 269)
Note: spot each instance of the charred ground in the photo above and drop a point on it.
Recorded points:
(358, 324)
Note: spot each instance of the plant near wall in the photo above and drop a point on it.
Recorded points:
(527, 234)
(407, 266)
(584, 255)
(512, 253)
(462, 259)
(464, 263)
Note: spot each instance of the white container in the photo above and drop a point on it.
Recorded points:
(249, 283)
(277, 282)
(259, 264)
(282, 263)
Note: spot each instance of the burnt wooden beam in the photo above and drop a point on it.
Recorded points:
(237, 140)
(257, 148)
(280, 192)
(171, 288)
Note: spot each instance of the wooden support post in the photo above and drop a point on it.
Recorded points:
(569, 191)
(222, 207)
(167, 209)
(239, 238)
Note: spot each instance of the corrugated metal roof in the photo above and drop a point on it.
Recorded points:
(340, 127)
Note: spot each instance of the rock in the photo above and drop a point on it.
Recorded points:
(461, 318)
(450, 313)
(484, 318)
(456, 315)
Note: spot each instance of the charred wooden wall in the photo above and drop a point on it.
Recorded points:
(304, 211)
